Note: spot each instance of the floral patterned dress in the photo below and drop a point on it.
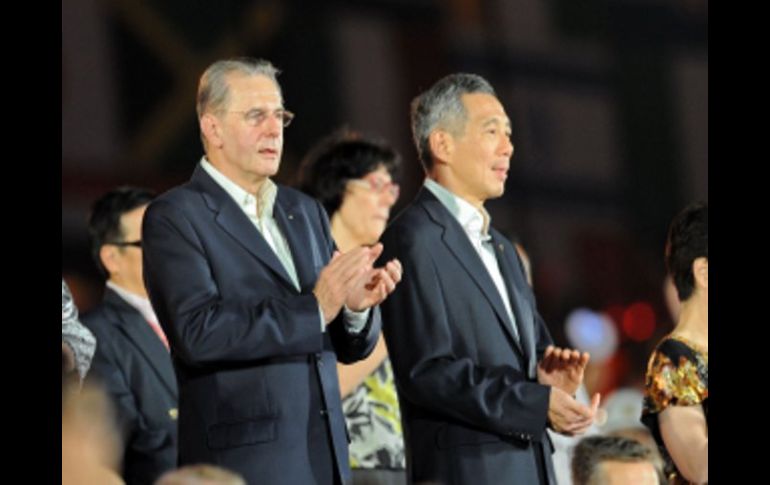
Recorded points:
(374, 422)
(677, 375)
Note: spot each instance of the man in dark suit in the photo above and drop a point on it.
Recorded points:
(248, 286)
(465, 338)
(131, 360)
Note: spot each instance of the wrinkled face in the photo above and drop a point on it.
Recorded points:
(482, 153)
(366, 205)
(627, 473)
(127, 260)
(250, 129)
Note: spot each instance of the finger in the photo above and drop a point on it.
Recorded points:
(574, 356)
(595, 402)
(584, 358)
(601, 417)
(393, 272)
(398, 265)
(352, 264)
(375, 251)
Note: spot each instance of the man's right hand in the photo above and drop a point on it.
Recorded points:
(338, 278)
(567, 415)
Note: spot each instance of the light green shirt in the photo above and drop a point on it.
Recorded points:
(259, 210)
(475, 223)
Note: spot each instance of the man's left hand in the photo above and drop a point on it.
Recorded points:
(375, 286)
(562, 368)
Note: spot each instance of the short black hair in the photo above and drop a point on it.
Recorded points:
(688, 240)
(590, 452)
(104, 223)
(339, 158)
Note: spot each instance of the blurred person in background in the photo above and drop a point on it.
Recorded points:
(676, 385)
(77, 342)
(132, 360)
(353, 178)
(202, 474)
(613, 460)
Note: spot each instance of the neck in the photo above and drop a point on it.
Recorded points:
(343, 235)
(251, 184)
(124, 285)
(694, 320)
(455, 186)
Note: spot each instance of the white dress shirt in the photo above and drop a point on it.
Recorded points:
(143, 306)
(259, 210)
(476, 225)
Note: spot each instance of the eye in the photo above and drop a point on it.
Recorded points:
(255, 116)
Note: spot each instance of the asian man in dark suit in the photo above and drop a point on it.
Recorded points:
(132, 360)
(477, 377)
(257, 304)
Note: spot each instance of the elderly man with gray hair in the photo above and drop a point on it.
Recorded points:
(257, 304)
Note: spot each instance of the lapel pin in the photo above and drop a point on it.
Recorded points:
(500, 247)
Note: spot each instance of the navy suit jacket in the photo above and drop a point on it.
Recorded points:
(257, 375)
(471, 406)
(135, 369)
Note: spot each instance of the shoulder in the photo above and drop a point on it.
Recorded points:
(675, 376)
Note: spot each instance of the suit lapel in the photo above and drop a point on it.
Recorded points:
(521, 307)
(232, 220)
(458, 244)
(304, 251)
(138, 331)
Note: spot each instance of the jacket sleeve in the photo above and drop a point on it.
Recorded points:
(202, 325)
(151, 447)
(349, 347)
(431, 373)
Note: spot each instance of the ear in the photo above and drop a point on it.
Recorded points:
(700, 270)
(441, 145)
(210, 128)
(108, 255)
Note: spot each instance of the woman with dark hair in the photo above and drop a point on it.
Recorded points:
(676, 386)
(352, 177)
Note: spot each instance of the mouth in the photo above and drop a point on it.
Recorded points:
(269, 152)
(501, 172)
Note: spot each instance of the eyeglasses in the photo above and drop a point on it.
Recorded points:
(255, 117)
(136, 244)
(378, 185)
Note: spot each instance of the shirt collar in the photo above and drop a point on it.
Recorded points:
(138, 302)
(260, 206)
(474, 221)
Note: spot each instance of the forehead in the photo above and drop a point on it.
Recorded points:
(379, 172)
(482, 107)
(132, 220)
(629, 473)
(248, 91)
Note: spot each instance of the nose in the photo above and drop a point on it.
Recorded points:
(506, 146)
(273, 126)
(389, 196)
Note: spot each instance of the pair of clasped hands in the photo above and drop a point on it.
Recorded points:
(563, 369)
(350, 279)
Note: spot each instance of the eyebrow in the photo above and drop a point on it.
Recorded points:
(496, 121)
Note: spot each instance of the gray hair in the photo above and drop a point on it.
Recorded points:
(213, 89)
(441, 106)
(590, 452)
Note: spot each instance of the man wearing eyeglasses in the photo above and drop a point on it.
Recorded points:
(132, 359)
(257, 305)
